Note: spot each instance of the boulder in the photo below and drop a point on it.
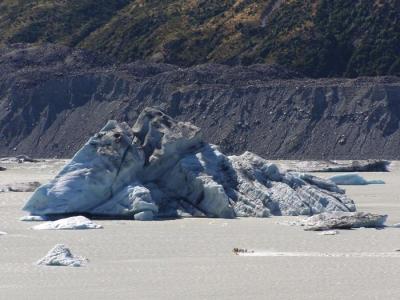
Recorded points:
(163, 168)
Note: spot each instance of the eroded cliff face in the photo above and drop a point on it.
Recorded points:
(53, 98)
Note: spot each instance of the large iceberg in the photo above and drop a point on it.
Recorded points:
(163, 168)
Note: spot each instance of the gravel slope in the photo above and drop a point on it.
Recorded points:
(53, 98)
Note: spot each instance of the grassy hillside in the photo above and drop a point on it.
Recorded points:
(317, 37)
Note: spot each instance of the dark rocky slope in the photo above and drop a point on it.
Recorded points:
(320, 38)
(53, 98)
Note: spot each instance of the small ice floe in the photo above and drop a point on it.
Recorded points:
(20, 159)
(3, 233)
(23, 187)
(370, 165)
(30, 218)
(329, 232)
(78, 222)
(353, 179)
(62, 256)
(343, 220)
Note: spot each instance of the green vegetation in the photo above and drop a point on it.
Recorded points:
(317, 37)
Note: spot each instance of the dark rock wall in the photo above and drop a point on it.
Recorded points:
(53, 98)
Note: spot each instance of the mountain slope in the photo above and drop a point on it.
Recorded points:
(53, 98)
(317, 37)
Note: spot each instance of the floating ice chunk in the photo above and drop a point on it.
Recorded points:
(290, 223)
(3, 233)
(33, 218)
(344, 220)
(23, 187)
(78, 222)
(329, 232)
(370, 165)
(397, 225)
(20, 159)
(353, 179)
(62, 256)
